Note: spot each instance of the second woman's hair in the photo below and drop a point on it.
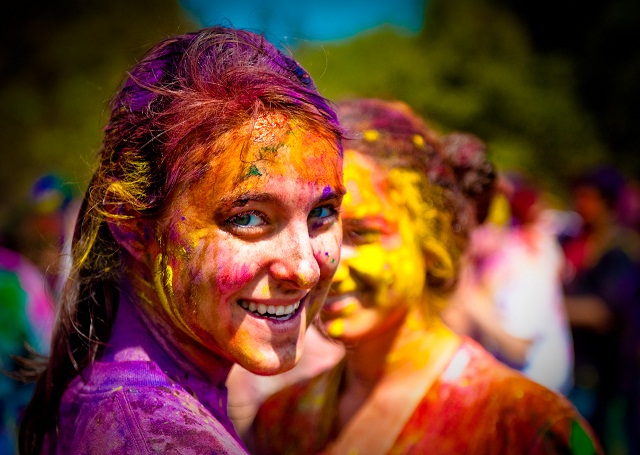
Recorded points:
(396, 138)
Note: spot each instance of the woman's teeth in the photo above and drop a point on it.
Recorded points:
(279, 312)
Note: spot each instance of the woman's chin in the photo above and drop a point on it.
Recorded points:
(271, 363)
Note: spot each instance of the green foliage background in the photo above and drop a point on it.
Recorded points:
(60, 63)
(475, 67)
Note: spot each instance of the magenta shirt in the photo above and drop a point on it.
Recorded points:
(140, 407)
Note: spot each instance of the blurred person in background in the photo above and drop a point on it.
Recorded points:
(602, 299)
(42, 228)
(26, 318)
(408, 384)
(510, 295)
(32, 249)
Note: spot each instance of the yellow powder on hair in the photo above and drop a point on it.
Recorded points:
(432, 220)
(371, 135)
(335, 328)
(418, 141)
(167, 301)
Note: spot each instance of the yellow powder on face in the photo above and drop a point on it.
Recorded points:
(343, 282)
(391, 259)
(342, 273)
(374, 261)
(362, 186)
(265, 291)
(168, 281)
(349, 310)
(196, 235)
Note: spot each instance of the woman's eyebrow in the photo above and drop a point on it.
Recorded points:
(332, 194)
(242, 199)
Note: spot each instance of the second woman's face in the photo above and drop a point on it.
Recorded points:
(252, 247)
(382, 272)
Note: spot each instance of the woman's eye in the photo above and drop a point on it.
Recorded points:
(322, 212)
(247, 219)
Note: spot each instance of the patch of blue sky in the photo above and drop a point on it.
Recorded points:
(288, 23)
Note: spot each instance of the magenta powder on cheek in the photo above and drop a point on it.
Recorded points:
(234, 278)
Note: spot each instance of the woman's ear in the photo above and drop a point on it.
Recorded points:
(133, 232)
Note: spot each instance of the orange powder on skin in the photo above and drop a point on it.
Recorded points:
(242, 342)
(279, 149)
(269, 152)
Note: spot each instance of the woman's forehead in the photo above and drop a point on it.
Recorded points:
(269, 127)
(366, 185)
(374, 189)
(362, 171)
(277, 147)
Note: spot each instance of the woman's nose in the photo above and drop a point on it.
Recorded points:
(296, 263)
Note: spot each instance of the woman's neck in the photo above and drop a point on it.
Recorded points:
(389, 351)
(392, 356)
(366, 360)
(140, 333)
(411, 345)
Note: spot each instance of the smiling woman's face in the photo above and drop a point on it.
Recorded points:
(252, 246)
(383, 269)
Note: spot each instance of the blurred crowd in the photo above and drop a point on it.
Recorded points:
(550, 290)
(555, 294)
(35, 241)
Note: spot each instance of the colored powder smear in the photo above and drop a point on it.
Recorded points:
(253, 171)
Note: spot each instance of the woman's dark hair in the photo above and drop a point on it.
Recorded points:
(167, 120)
(398, 139)
(476, 176)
